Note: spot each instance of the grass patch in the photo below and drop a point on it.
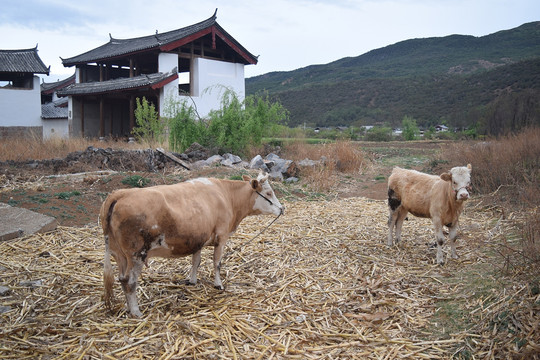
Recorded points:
(66, 195)
(135, 181)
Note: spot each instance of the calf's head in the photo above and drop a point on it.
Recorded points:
(460, 179)
(266, 201)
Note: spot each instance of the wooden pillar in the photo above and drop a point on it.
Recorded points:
(131, 68)
(82, 117)
(131, 114)
(101, 116)
(100, 72)
(111, 107)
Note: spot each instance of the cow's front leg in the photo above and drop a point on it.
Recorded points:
(129, 285)
(195, 262)
(391, 223)
(453, 232)
(218, 252)
(439, 235)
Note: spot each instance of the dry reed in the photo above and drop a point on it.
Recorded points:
(319, 283)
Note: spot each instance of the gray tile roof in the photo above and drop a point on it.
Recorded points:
(55, 110)
(22, 61)
(121, 47)
(49, 88)
(155, 81)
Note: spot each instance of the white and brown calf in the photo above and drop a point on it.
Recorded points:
(437, 197)
(175, 221)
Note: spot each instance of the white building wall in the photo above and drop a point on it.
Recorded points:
(21, 107)
(55, 128)
(210, 78)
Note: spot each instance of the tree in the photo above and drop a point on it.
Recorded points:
(410, 129)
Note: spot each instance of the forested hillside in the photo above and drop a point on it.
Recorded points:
(490, 82)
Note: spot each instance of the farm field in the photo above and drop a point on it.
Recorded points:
(319, 283)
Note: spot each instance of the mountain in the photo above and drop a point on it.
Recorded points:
(458, 79)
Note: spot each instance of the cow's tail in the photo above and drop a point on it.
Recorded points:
(108, 276)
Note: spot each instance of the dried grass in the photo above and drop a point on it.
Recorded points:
(319, 283)
(22, 149)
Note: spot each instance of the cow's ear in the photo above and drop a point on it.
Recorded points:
(469, 167)
(446, 176)
(246, 178)
(254, 184)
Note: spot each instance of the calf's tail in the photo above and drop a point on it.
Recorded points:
(108, 277)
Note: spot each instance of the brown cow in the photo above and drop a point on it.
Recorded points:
(437, 197)
(174, 221)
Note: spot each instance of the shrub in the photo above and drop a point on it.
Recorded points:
(150, 128)
(410, 128)
(379, 134)
(184, 126)
(237, 125)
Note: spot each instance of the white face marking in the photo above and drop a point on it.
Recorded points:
(205, 181)
(262, 204)
(461, 180)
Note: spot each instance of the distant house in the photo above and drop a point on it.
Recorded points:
(441, 128)
(195, 63)
(54, 110)
(20, 95)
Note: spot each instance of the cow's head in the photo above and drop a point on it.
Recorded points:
(460, 178)
(266, 201)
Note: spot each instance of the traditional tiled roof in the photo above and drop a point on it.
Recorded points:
(55, 110)
(154, 81)
(49, 88)
(121, 47)
(22, 61)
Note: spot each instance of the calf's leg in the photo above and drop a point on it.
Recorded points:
(453, 231)
(439, 235)
(402, 214)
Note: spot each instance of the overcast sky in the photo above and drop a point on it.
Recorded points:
(286, 35)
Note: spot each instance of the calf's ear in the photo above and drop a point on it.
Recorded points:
(469, 167)
(246, 178)
(446, 176)
(254, 184)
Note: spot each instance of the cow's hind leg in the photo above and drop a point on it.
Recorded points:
(218, 253)
(128, 279)
(195, 262)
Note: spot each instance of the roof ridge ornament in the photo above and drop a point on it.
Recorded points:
(215, 14)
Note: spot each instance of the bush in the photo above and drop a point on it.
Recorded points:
(410, 128)
(237, 126)
(379, 134)
(184, 126)
(150, 128)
